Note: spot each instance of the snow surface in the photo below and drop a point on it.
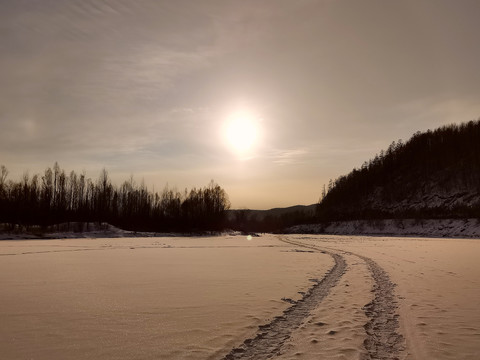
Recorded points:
(437, 289)
(197, 298)
(145, 298)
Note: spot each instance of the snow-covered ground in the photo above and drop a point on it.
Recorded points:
(462, 228)
(240, 297)
(437, 290)
(145, 298)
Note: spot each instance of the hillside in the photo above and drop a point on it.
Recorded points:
(270, 220)
(435, 174)
(262, 214)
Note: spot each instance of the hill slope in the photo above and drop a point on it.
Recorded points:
(435, 174)
(275, 212)
(270, 220)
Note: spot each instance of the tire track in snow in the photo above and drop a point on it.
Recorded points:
(271, 337)
(382, 341)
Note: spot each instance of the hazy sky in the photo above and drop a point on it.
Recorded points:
(146, 87)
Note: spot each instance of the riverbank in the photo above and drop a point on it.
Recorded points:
(453, 228)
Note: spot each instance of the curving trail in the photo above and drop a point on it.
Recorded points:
(271, 337)
(382, 339)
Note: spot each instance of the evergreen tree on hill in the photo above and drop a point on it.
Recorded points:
(433, 174)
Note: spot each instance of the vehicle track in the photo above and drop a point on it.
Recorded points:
(271, 337)
(382, 339)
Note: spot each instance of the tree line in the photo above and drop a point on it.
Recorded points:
(247, 221)
(56, 197)
(442, 161)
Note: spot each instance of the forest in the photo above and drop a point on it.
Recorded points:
(249, 221)
(435, 174)
(57, 197)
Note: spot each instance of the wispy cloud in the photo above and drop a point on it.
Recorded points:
(142, 84)
(288, 156)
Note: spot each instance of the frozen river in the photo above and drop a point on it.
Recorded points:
(199, 298)
(149, 298)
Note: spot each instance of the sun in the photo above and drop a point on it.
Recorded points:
(241, 131)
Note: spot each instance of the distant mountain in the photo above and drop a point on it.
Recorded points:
(261, 214)
(270, 220)
(435, 174)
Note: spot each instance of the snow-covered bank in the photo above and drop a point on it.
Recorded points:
(465, 228)
(74, 230)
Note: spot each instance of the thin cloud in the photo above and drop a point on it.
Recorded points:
(288, 156)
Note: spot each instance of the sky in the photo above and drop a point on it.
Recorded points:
(151, 88)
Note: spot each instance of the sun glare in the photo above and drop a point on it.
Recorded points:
(241, 131)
